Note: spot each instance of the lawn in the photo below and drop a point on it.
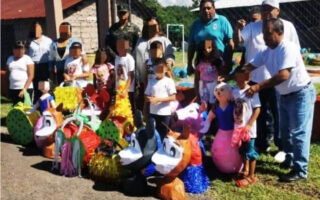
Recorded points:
(268, 187)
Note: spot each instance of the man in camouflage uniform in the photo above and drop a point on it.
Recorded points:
(120, 29)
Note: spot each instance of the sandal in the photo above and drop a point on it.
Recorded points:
(245, 182)
(241, 175)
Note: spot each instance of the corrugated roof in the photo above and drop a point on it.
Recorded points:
(220, 4)
(20, 9)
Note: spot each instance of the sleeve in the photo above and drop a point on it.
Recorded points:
(28, 60)
(255, 101)
(148, 89)
(131, 63)
(258, 59)
(9, 60)
(286, 57)
(246, 32)
(228, 31)
(192, 33)
(171, 87)
(110, 66)
(86, 67)
(169, 53)
(294, 36)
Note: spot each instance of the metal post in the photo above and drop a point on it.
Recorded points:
(183, 44)
(129, 10)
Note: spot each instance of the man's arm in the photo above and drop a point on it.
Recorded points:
(241, 23)
(282, 76)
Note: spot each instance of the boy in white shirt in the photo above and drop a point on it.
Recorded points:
(75, 67)
(160, 92)
(247, 149)
(124, 69)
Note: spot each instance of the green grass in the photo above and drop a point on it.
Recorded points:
(5, 106)
(317, 86)
(268, 186)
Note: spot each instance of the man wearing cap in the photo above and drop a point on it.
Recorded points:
(211, 26)
(283, 61)
(76, 69)
(252, 37)
(120, 29)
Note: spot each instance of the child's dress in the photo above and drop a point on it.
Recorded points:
(102, 74)
(226, 158)
(208, 81)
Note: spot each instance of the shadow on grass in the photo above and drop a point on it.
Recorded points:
(213, 173)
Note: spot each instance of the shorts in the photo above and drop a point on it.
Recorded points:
(248, 150)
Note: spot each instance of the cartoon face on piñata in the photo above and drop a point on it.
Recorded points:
(174, 156)
(223, 92)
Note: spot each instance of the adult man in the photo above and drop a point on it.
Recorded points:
(297, 95)
(252, 37)
(39, 50)
(120, 29)
(211, 26)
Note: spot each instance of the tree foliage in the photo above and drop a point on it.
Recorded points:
(172, 15)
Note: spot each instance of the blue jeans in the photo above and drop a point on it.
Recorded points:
(160, 120)
(296, 117)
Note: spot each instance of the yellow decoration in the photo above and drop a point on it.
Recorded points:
(109, 169)
(69, 96)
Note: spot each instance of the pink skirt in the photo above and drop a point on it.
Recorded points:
(226, 158)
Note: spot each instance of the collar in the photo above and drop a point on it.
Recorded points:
(216, 17)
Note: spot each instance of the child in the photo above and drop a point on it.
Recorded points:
(247, 150)
(124, 69)
(75, 68)
(208, 64)
(45, 98)
(156, 54)
(103, 72)
(160, 92)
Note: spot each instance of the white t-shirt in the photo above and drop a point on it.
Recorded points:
(162, 88)
(18, 72)
(128, 66)
(252, 103)
(286, 55)
(74, 66)
(253, 41)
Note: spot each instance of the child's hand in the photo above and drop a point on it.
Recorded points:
(21, 94)
(154, 100)
(248, 127)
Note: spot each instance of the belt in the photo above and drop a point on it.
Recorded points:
(293, 93)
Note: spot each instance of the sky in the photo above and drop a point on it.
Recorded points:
(165, 3)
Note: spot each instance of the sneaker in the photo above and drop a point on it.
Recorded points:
(291, 176)
(280, 157)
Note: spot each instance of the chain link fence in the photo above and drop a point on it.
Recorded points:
(305, 15)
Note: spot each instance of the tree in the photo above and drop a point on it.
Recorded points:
(195, 3)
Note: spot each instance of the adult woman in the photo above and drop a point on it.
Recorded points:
(21, 72)
(151, 32)
(38, 50)
(59, 52)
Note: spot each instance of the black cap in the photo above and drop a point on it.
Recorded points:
(76, 45)
(122, 8)
(18, 44)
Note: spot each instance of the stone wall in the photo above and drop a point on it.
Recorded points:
(84, 24)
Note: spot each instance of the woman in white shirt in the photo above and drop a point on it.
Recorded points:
(21, 73)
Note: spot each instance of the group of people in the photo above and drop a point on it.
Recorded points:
(278, 91)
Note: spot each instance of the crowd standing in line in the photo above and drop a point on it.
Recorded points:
(278, 78)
